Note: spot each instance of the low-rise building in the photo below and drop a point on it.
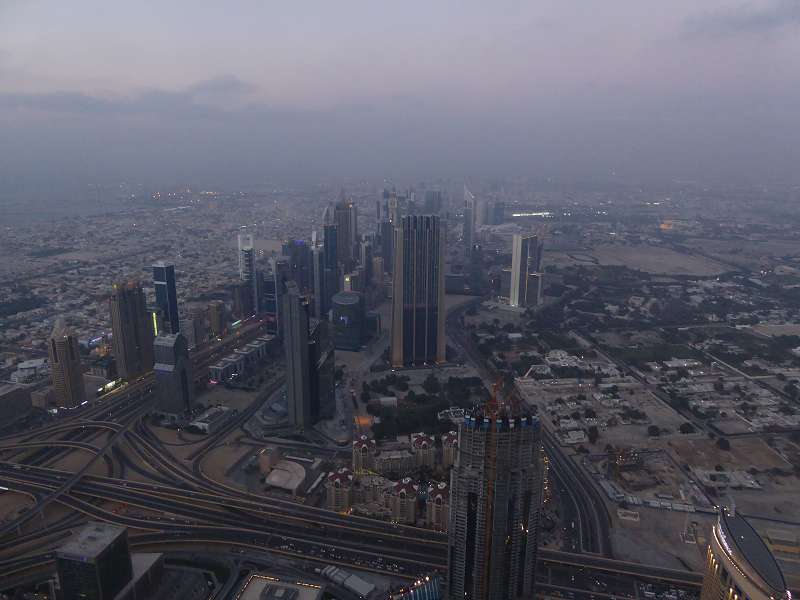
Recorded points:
(402, 500)
(437, 506)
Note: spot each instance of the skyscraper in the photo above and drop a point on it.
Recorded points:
(309, 361)
(495, 500)
(318, 280)
(331, 263)
(173, 371)
(247, 266)
(65, 366)
(433, 202)
(526, 260)
(274, 285)
(418, 311)
(298, 255)
(365, 259)
(166, 295)
(469, 222)
(739, 565)
(132, 334)
(387, 241)
(346, 219)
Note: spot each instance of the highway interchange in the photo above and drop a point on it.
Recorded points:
(180, 504)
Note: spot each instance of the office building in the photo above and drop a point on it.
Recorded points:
(95, 563)
(495, 498)
(309, 362)
(365, 259)
(15, 402)
(418, 311)
(739, 566)
(345, 217)
(469, 222)
(247, 266)
(173, 372)
(318, 281)
(386, 235)
(348, 321)
(526, 279)
(65, 367)
(166, 295)
(242, 296)
(132, 340)
(298, 257)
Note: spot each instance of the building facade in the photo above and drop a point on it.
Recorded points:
(247, 266)
(418, 310)
(495, 498)
(348, 321)
(526, 279)
(173, 372)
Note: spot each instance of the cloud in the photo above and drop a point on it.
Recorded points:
(751, 18)
(205, 99)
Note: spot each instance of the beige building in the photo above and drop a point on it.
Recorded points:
(402, 501)
(363, 454)
(65, 367)
(339, 490)
(437, 508)
(449, 448)
(424, 450)
(739, 566)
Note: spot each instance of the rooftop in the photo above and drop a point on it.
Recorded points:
(91, 541)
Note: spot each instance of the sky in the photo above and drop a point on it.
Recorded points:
(250, 91)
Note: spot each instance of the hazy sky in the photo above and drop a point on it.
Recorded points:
(244, 91)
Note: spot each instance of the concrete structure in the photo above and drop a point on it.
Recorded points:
(437, 506)
(269, 457)
(526, 262)
(398, 462)
(132, 333)
(348, 321)
(259, 586)
(217, 318)
(287, 475)
(15, 402)
(31, 370)
(496, 488)
(211, 419)
(402, 500)
(468, 233)
(65, 367)
(166, 295)
(349, 581)
(339, 489)
(364, 449)
(418, 310)
(173, 372)
(739, 566)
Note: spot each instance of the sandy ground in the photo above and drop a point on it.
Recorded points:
(776, 330)
(220, 459)
(652, 259)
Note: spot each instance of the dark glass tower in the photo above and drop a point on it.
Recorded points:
(418, 292)
(166, 295)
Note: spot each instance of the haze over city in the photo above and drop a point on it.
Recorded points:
(411, 301)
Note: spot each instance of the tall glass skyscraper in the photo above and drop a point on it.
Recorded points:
(166, 295)
(132, 333)
(247, 265)
(418, 311)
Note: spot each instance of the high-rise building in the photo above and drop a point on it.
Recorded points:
(495, 501)
(469, 222)
(298, 255)
(418, 311)
(247, 265)
(132, 333)
(525, 289)
(346, 218)
(365, 259)
(318, 281)
(65, 366)
(173, 371)
(166, 295)
(739, 566)
(95, 563)
(386, 245)
(321, 360)
(242, 296)
(331, 283)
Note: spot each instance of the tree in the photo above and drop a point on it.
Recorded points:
(723, 444)
(653, 431)
(431, 384)
(593, 434)
(686, 428)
